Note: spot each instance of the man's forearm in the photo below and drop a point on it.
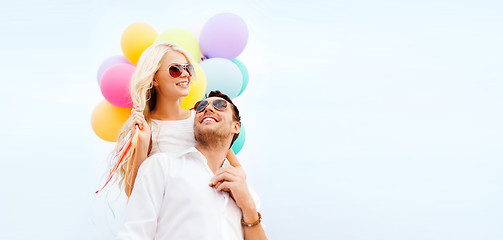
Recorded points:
(250, 215)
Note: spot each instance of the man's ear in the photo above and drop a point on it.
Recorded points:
(236, 128)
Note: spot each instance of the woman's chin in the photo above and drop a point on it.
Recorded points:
(186, 93)
(183, 93)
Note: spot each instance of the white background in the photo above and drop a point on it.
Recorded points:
(364, 119)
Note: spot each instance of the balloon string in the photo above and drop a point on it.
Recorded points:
(127, 146)
(114, 169)
(126, 152)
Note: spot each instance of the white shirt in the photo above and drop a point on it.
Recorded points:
(172, 136)
(172, 199)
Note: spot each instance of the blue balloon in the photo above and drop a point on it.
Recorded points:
(223, 75)
(240, 141)
(244, 73)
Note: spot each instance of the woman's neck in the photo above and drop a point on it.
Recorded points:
(168, 110)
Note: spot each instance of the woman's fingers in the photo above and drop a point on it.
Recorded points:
(138, 121)
(135, 113)
(136, 109)
(138, 118)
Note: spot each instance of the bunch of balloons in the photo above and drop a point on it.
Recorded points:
(222, 38)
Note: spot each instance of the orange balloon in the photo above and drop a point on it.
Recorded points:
(107, 120)
(135, 39)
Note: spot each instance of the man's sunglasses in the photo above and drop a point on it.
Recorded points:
(218, 104)
(176, 69)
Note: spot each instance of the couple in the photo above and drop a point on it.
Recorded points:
(196, 193)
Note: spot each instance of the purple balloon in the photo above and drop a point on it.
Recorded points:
(113, 60)
(224, 35)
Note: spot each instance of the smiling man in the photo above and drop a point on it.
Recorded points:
(196, 194)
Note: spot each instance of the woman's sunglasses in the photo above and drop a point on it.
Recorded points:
(218, 104)
(176, 69)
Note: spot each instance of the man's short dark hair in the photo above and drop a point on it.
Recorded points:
(235, 111)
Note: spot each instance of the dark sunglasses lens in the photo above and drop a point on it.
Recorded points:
(195, 105)
(175, 70)
(190, 69)
(220, 104)
(201, 106)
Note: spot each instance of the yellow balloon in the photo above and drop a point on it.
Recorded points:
(182, 38)
(197, 89)
(135, 39)
(107, 120)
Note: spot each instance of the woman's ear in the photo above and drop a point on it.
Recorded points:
(155, 83)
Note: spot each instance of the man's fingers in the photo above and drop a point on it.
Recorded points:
(227, 169)
(224, 186)
(223, 177)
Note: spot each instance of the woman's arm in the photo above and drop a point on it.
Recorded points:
(233, 160)
(142, 154)
(144, 143)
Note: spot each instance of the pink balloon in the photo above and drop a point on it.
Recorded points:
(113, 60)
(115, 83)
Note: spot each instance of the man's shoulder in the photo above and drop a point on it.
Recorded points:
(160, 156)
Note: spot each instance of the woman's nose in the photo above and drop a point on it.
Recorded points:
(185, 74)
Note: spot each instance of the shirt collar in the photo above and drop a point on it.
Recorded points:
(193, 150)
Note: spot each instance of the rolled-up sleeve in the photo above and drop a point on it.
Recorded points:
(145, 202)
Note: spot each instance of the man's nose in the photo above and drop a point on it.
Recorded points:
(209, 108)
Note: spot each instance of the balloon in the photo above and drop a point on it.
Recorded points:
(182, 38)
(224, 35)
(244, 73)
(110, 62)
(107, 120)
(223, 75)
(115, 85)
(197, 89)
(135, 39)
(240, 141)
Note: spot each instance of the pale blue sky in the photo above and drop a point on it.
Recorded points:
(364, 119)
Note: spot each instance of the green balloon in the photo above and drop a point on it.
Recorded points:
(238, 144)
(182, 38)
(244, 73)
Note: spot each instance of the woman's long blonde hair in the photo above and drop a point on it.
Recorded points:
(143, 93)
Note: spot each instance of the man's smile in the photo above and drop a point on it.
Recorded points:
(208, 119)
